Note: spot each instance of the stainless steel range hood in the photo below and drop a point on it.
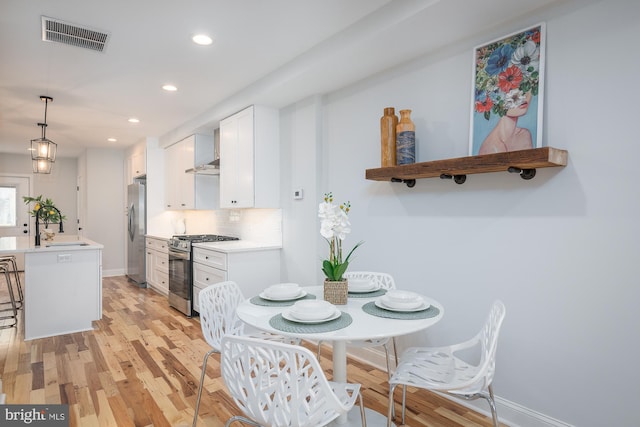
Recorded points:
(211, 168)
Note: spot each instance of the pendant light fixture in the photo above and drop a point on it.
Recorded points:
(43, 150)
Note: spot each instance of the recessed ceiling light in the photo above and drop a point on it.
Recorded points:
(170, 88)
(111, 139)
(202, 39)
(134, 120)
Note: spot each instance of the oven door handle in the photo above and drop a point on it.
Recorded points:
(179, 255)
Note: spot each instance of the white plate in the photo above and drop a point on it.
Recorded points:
(397, 295)
(287, 315)
(374, 287)
(406, 305)
(282, 290)
(312, 309)
(382, 305)
(267, 297)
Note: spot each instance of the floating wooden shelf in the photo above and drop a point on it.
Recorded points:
(523, 162)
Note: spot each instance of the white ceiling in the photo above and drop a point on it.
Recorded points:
(271, 51)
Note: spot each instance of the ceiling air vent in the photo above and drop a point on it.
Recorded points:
(54, 30)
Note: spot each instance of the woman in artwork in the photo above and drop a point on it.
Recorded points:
(507, 74)
(506, 135)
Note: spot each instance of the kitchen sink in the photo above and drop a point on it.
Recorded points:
(66, 244)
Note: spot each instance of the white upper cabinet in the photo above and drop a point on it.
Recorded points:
(136, 163)
(250, 159)
(187, 190)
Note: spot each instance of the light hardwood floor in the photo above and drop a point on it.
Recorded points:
(141, 366)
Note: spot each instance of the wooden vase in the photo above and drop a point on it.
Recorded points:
(405, 139)
(388, 123)
(336, 292)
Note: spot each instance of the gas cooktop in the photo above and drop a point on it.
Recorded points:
(198, 238)
(183, 242)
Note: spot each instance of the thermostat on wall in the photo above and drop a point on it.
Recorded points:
(297, 193)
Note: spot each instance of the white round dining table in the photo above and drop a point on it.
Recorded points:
(363, 326)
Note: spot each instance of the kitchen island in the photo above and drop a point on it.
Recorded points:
(62, 283)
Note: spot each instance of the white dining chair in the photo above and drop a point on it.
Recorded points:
(440, 369)
(277, 384)
(385, 281)
(218, 304)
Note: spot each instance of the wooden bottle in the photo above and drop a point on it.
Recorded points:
(388, 124)
(405, 139)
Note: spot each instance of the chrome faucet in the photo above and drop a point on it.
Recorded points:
(60, 230)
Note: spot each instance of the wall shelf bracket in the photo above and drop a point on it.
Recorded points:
(458, 179)
(410, 182)
(525, 174)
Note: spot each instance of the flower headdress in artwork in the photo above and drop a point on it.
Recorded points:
(506, 71)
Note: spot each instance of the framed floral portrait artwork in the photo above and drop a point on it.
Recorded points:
(507, 93)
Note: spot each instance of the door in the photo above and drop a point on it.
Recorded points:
(14, 214)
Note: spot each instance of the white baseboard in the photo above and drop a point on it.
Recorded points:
(112, 273)
(509, 413)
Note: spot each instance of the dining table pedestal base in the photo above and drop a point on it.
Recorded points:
(374, 418)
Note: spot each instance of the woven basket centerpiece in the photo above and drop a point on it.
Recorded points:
(336, 291)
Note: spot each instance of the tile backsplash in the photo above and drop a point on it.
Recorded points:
(262, 226)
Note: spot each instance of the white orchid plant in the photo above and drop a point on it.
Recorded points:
(334, 227)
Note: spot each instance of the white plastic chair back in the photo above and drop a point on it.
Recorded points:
(277, 384)
(383, 279)
(218, 307)
(488, 338)
(438, 368)
(218, 304)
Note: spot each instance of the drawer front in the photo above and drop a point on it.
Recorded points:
(161, 261)
(210, 258)
(162, 281)
(157, 244)
(204, 275)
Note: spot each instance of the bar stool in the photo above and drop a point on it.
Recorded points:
(12, 309)
(14, 269)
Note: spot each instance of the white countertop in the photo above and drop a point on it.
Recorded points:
(237, 246)
(158, 236)
(61, 242)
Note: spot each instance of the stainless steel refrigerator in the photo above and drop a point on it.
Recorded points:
(136, 230)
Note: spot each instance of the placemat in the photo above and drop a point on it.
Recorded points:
(269, 303)
(367, 294)
(374, 310)
(280, 323)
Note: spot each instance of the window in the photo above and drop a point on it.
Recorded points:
(8, 206)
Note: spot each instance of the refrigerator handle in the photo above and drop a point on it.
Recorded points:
(131, 217)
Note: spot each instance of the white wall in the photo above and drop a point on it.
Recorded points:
(560, 250)
(59, 185)
(300, 130)
(106, 202)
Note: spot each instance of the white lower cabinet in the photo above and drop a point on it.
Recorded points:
(252, 270)
(157, 253)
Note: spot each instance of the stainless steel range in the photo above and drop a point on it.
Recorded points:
(181, 271)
